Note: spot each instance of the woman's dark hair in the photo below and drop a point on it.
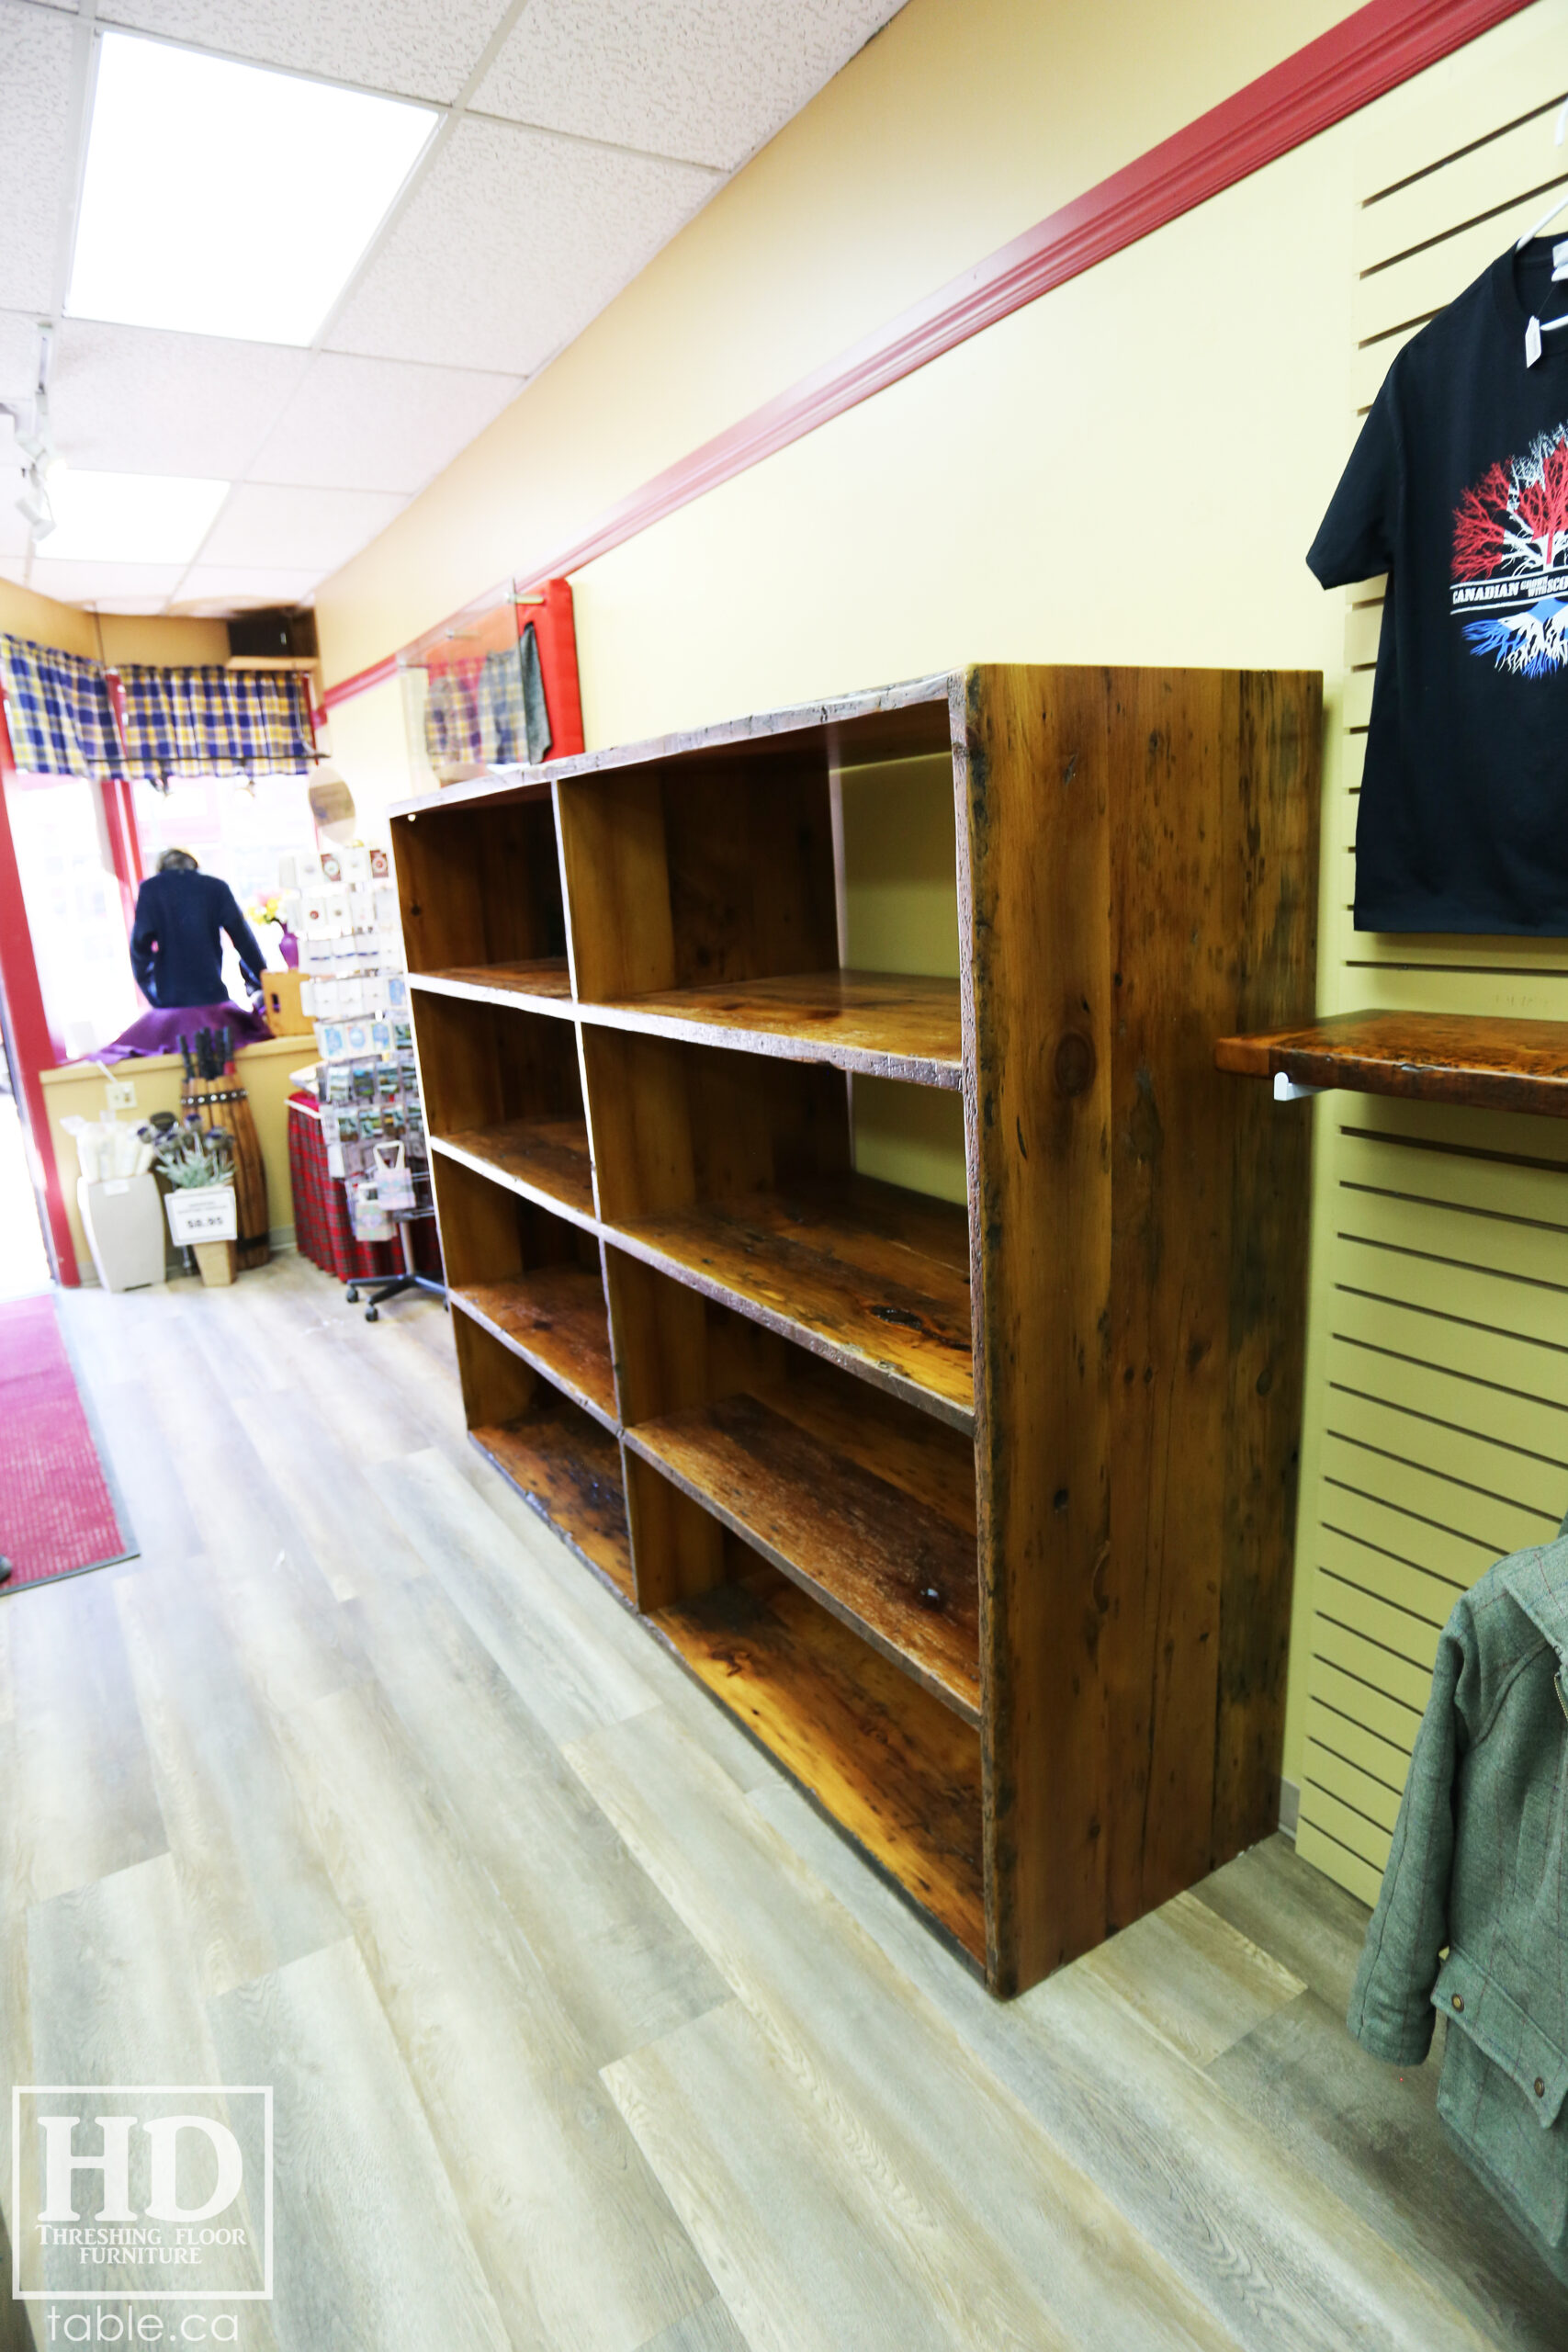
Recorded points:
(177, 861)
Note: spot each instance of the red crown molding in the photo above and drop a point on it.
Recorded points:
(1370, 52)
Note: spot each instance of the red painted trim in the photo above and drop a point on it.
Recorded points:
(28, 1030)
(112, 796)
(133, 834)
(1344, 70)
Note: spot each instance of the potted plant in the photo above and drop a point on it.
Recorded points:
(199, 1166)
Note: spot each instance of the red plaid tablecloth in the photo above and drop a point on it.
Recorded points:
(322, 1231)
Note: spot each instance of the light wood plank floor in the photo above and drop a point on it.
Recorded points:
(585, 2031)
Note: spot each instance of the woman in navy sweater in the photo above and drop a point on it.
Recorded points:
(177, 942)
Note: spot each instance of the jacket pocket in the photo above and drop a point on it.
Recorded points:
(1508, 2035)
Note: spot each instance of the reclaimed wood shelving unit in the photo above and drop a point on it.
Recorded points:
(977, 1515)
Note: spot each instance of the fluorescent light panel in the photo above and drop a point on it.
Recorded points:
(129, 518)
(229, 199)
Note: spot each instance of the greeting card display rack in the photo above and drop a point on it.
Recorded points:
(976, 1515)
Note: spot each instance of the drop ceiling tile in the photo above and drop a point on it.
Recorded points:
(35, 94)
(510, 245)
(106, 583)
(19, 353)
(219, 587)
(288, 529)
(134, 399)
(709, 80)
(404, 46)
(378, 424)
(13, 531)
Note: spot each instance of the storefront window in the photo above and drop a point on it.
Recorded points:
(232, 829)
(74, 911)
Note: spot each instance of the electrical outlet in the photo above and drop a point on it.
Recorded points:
(119, 1095)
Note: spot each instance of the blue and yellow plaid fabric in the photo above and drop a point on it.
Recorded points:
(489, 713)
(215, 722)
(59, 713)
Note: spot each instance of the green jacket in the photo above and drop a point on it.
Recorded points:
(1473, 1918)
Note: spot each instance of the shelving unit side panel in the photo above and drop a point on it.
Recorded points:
(1271, 879)
(1175, 965)
(1030, 757)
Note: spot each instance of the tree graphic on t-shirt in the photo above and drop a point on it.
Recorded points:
(1513, 521)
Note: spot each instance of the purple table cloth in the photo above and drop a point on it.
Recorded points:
(160, 1030)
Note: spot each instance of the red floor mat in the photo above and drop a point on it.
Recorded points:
(56, 1511)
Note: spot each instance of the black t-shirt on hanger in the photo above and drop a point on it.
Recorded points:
(1458, 488)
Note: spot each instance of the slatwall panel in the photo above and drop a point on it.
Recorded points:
(1436, 1432)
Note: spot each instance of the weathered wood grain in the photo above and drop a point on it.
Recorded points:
(578, 2244)
(1291, 2195)
(1474, 1059)
(544, 1159)
(252, 1893)
(484, 1065)
(894, 1570)
(1369, 2133)
(1034, 785)
(899, 722)
(358, 2175)
(621, 1963)
(888, 1024)
(543, 986)
(118, 2000)
(1136, 858)
(871, 1277)
(545, 1640)
(711, 2329)
(891, 2091)
(565, 1465)
(815, 2234)
(554, 1319)
(84, 1796)
(1191, 1979)
(480, 882)
(894, 1768)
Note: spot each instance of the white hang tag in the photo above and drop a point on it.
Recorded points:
(1560, 260)
(1532, 343)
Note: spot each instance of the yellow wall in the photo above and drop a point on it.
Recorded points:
(77, 1093)
(1131, 469)
(961, 125)
(109, 637)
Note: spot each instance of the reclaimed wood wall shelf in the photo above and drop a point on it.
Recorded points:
(977, 1514)
(1478, 1061)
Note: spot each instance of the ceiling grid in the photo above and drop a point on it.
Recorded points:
(575, 137)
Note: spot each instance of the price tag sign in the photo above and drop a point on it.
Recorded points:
(203, 1213)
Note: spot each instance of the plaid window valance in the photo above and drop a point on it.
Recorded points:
(489, 713)
(59, 713)
(215, 722)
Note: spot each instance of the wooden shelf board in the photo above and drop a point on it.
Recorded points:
(899, 1571)
(1473, 1060)
(568, 1470)
(541, 986)
(906, 721)
(885, 1025)
(873, 1278)
(554, 1318)
(544, 1159)
(895, 1769)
